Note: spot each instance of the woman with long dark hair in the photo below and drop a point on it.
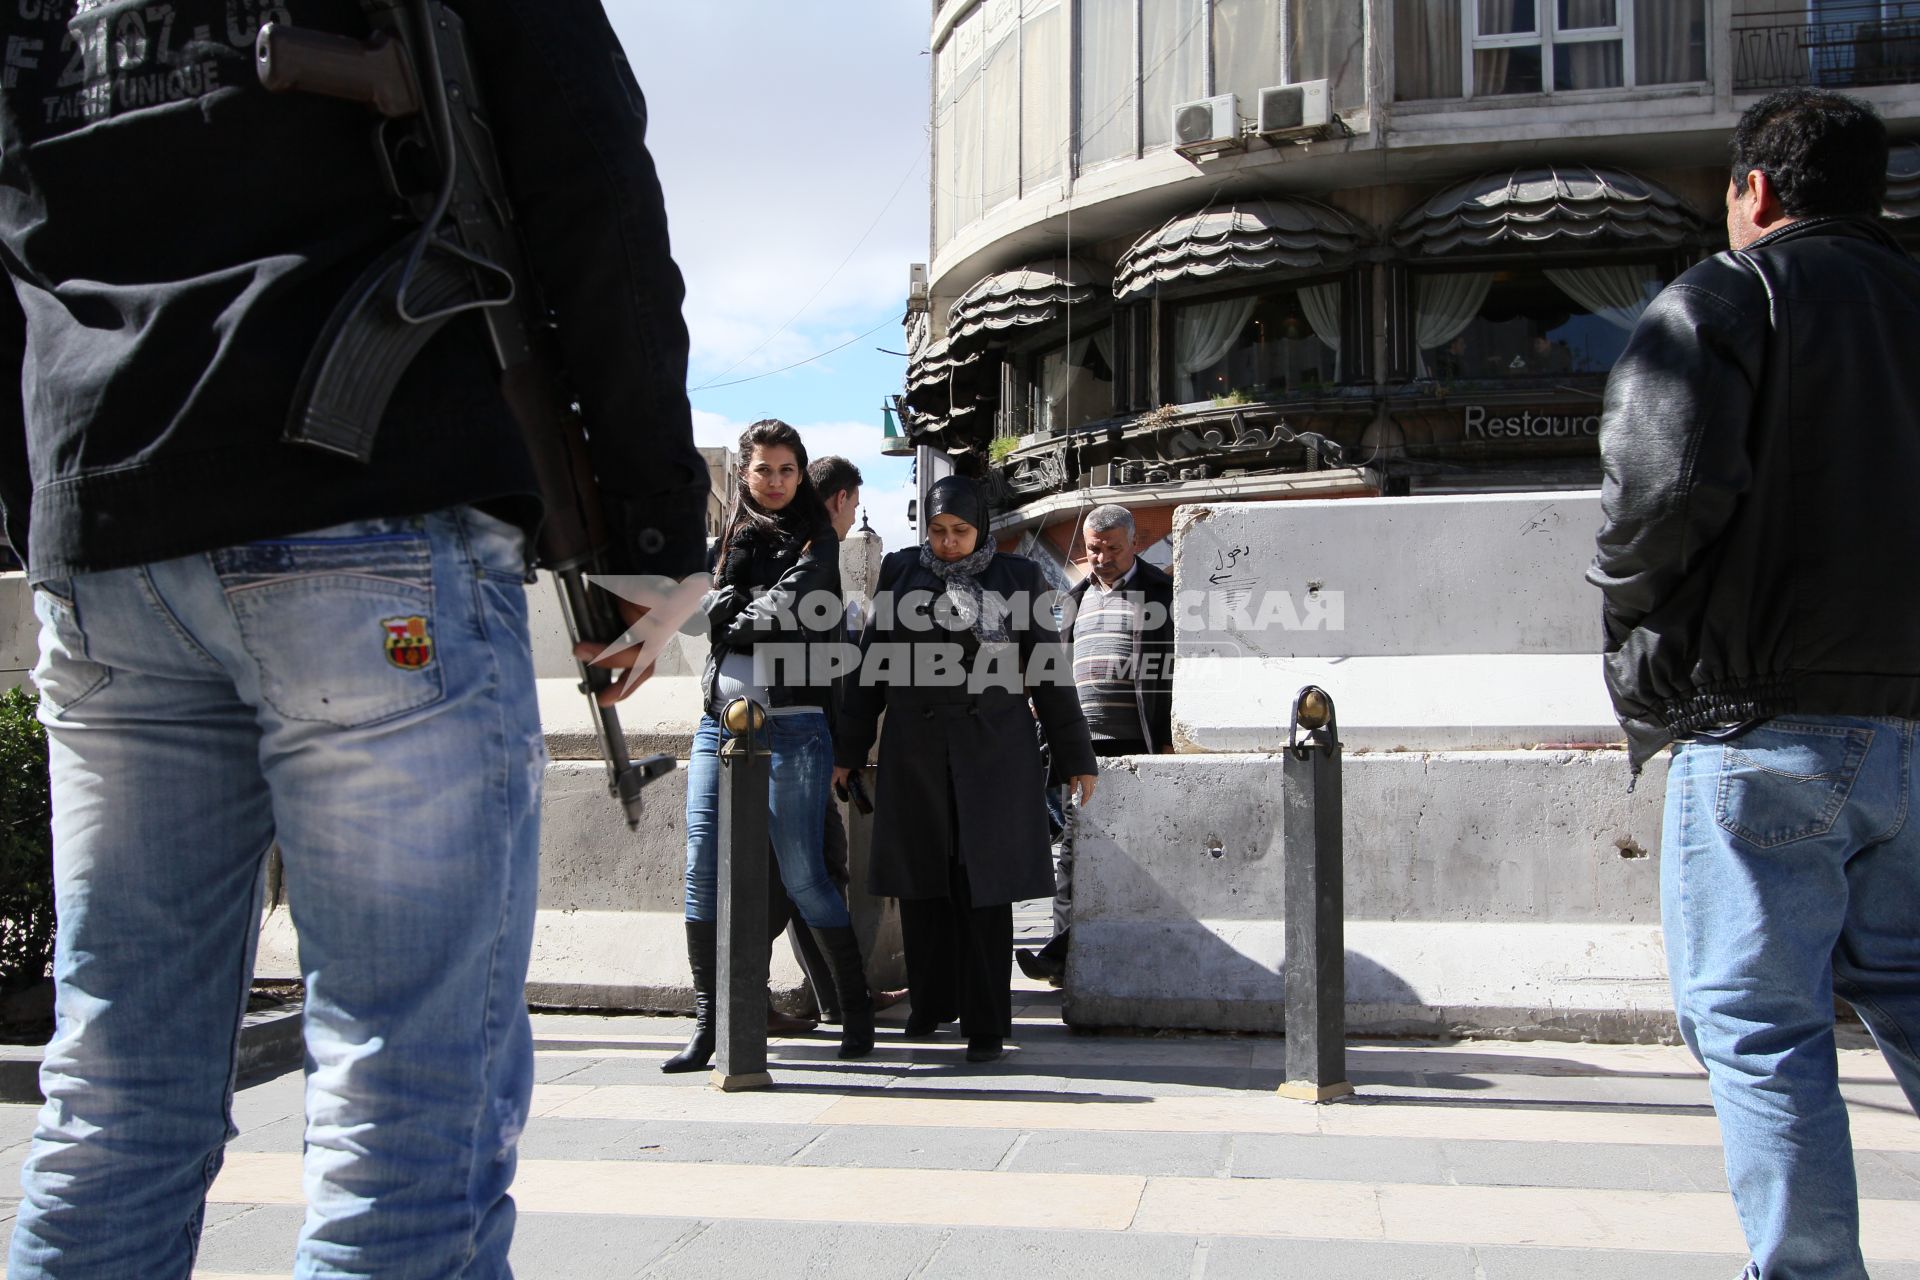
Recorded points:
(960, 819)
(777, 565)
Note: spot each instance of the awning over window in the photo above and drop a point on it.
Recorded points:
(1903, 181)
(1036, 294)
(940, 384)
(1531, 207)
(1258, 236)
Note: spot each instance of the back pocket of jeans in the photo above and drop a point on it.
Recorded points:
(340, 629)
(1786, 781)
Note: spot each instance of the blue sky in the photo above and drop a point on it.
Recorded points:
(791, 141)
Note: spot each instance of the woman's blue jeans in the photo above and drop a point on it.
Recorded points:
(1790, 870)
(802, 772)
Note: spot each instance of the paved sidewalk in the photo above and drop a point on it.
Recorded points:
(1099, 1156)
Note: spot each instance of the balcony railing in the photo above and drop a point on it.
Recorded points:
(1776, 50)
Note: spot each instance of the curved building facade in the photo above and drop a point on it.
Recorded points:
(1196, 249)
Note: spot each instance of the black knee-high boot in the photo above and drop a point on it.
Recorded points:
(700, 958)
(850, 978)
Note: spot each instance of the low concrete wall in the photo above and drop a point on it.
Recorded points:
(1437, 623)
(1486, 892)
(608, 932)
(19, 631)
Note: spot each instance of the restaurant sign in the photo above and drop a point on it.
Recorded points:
(1518, 424)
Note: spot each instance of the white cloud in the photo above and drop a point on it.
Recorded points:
(781, 130)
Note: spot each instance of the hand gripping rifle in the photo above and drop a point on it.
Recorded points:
(415, 72)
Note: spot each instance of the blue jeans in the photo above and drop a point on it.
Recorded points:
(364, 697)
(1791, 871)
(802, 773)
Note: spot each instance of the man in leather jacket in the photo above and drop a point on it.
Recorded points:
(1762, 448)
(246, 642)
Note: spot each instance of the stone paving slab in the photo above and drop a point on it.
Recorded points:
(1087, 1156)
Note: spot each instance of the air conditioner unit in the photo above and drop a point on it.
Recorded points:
(1291, 111)
(1206, 125)
(917, 288)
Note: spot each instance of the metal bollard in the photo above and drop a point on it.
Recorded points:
(1316, 969)
(746, 768)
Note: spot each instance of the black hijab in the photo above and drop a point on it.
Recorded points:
(985, 616)
(959, 496)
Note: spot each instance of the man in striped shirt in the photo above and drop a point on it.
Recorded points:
(1122, 638)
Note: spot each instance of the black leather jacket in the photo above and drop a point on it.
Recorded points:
(1762, 448)
(776, 595)
(176, 236)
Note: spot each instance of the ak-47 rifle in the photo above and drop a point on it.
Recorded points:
(416, 73)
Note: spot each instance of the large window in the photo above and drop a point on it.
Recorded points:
(1000, 109)
(1007, 118)
(1128, 87)
(1499, 48)
(1528, 323)
(1263, 346)
(1072, 383)
(1258, 44)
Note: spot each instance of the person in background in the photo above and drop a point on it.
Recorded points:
(1122, 637)
(1761, 441)
(779, 549)
(959, 825)
(246, 642)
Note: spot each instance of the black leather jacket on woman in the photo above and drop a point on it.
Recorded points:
(776, 590)
(1762, 497)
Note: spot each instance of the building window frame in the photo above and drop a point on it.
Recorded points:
(1547, 36)
(1354, 281)
(1404, 374)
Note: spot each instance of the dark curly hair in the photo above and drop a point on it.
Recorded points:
(803, 514)
(1825, 153)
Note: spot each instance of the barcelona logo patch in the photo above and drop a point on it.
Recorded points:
(409, 645)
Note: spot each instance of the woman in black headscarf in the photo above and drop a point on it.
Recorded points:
(963, 655)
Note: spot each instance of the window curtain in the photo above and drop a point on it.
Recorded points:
(1669, 41)
(1247, 49)
(1059, 369)
(1320, 303)
(1172, 63)
(1589, 64)
(1618, 295)
(1000, 105)
(946, 149)
(1043, 104)
(1329, 43)
(1203, 332)
(1443, 307)
(1426, 49)
(1106, 81)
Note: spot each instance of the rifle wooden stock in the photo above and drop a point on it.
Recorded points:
(373, 72)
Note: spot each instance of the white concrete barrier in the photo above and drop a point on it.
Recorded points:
(19, 631)
(1437, 623)
(1490, 892)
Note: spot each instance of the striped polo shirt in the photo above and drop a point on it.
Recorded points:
(1106, 659)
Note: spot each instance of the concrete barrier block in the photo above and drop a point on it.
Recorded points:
(19, 631)
(1437, 623)
(1512, 892)
(608, 933)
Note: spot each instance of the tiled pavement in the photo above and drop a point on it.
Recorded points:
(1107, 1156)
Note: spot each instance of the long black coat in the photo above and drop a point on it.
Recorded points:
(946, 744)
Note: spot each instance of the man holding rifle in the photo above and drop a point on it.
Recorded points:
(278, 512)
